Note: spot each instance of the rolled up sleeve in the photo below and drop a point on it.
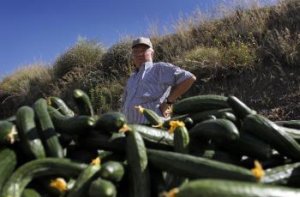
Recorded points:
(173, 75)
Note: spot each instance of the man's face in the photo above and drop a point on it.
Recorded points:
(141, 54)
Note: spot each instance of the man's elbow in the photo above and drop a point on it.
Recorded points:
(193, 79)
(189, 82)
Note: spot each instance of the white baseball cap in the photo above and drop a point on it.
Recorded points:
(142, 40)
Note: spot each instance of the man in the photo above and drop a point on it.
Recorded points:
(154, 86)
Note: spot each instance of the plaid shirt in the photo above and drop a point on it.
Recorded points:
(149, 87)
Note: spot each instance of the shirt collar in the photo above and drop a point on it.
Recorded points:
(144, 66)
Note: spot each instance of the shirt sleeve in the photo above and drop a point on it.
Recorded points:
(172, 75)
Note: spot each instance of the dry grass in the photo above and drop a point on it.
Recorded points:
(19, 82)
(85, 54)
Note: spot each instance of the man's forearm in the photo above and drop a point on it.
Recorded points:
(181, 88)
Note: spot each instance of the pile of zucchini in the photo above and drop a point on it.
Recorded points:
(211, 146)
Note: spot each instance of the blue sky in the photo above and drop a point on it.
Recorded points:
(41, 30)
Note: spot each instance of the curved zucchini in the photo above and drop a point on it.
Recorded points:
(110, 122)
(197, 167)
(8, 162)
(83, 103)
(138, 165)
(103, 188)
(268, 131)
(71, 125)
(225, 188)
(38, 168)
(152, 117)
(155, 135)
(84, 179)
(8, 132)
(27, 131)
(47, 131)
(112, 171)
(200, 103)
(240, 109)
(60, 105)
(218, 129)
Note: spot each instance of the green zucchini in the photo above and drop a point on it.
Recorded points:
(294, 133)
(188, 122)
(181, 143)
(155, 135)
(218, 129)
(8, 162)
(71, 125)
(229, 116)
(240, 109)
(11, 119)
(47, 131)
(295, 124)
(83, 103)
(152, 117)
(139, 180)
(107, 156)
(225, 188)
(30, 141)
(97, 140)
(103, 188)
(205, 115)
(196, 167)
(250, 146)
(38, 168)
(110, 122)
(8, 132)
(115, 143)
(112, 171)
(181, 137)
(288, 174)
(30, 193)
(104, 154)
(268, 131)
(84, 179)
(60, 105)
(222, 156)
(200, 103)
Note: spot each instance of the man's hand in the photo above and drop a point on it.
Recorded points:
(166, 109)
